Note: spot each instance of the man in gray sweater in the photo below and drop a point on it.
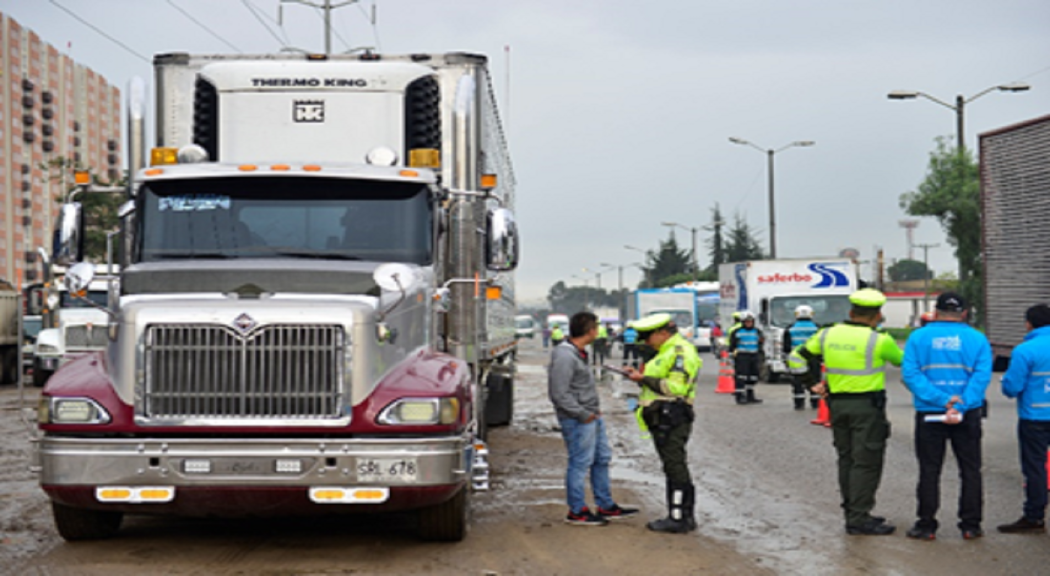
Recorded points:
(571, 388)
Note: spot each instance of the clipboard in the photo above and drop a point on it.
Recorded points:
(615, 370)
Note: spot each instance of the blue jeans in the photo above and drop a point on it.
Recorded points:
(1034, 439)
(588, 452)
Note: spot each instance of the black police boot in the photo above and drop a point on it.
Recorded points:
(751, 397)
(800, 404)
(676, 522)
(689, 506)
(740, 398)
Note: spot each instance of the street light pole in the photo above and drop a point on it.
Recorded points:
(645, 269)
(960, 104)
(693, 231)
(770, 152)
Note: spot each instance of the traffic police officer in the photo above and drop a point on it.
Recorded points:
(745, 344)
(854, 356)
(557, 335)
(796, 335)
(666, 404)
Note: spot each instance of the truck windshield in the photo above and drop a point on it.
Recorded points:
(826, 309)
(100, 297)
(285, 217)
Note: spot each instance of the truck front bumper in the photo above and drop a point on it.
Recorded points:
(203, 473)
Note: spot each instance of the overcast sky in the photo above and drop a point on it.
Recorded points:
(619, 113)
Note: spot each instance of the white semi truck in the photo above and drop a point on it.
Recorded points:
(772, 289)
(315, 310)
(680, 303)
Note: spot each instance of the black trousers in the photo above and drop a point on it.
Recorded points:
(673, 454)
(746, 366)
(931, 440)
(1034, 439)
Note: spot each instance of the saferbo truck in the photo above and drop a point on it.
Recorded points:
(772, 289)
(314, 312)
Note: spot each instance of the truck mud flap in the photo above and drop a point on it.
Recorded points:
(499, 407)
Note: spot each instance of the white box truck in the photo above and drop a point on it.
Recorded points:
(772, 289)
(680, 303)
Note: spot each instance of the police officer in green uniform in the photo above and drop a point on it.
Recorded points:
(854, 356)
(666, 403)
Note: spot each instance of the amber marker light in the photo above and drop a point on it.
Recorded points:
(154, 172)
(280, 167)
(247, 167)
(312, 168)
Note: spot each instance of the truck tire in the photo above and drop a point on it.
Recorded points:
(40, 376)
(448, 521)
(499, 406)
(82, 524)
(9, 373)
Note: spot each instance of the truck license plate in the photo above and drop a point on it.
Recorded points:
(386, 470)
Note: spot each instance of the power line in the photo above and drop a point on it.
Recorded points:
(198, 23)
(252, 9)
(97, 29)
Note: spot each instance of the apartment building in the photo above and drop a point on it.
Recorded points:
(54, 114)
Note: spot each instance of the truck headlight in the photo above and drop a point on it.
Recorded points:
(56, 410)
(416, 411)
(46, 349)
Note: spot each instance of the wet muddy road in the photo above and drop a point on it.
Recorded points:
(767, 504)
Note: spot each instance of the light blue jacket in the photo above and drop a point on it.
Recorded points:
(945, 359)
(1028, 378)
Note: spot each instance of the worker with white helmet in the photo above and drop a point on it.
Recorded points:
(796, 335)
(745, 345)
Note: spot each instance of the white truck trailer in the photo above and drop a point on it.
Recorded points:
(772, 289)
(315, 309)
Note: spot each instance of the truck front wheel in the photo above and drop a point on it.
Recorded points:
(40, 376)
(448, 521)
(82, 524)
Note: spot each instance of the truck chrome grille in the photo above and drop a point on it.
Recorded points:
(274, 371)
(81, 337)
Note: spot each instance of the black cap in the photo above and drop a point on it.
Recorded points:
(951, 302)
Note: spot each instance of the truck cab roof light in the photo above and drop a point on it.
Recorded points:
(162, 155)
(424, 158)
(247, 167)
(154, 172)
(312, 168)
(280, 167)
(82, 177)
(317, 57)
(409, 173)
(488, 181)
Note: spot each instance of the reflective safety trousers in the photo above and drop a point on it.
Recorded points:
(854, 356)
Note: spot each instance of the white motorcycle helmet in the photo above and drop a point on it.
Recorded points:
(804, 311)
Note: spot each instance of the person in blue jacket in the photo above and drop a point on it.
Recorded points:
(947, 367)
(1028, 380)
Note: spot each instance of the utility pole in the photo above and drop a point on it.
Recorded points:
(926, 275)
(327, 7)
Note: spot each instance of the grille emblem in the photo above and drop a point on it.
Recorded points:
(244, 323)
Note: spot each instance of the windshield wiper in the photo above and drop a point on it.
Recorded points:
(193, 255)
(321, 255)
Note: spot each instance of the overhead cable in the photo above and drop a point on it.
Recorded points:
(97, 29)
(198, 23)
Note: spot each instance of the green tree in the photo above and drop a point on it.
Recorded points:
(716, 241)
(668, 261)
(951, 192)
(741, 244)
(904, 270)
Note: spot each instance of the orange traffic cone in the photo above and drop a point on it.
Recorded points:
(726, 378)
(823, 413)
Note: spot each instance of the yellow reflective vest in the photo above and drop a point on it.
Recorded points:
(854, 356)
(673, 371)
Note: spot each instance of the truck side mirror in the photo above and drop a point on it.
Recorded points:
(501, 247)
(68, 246)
